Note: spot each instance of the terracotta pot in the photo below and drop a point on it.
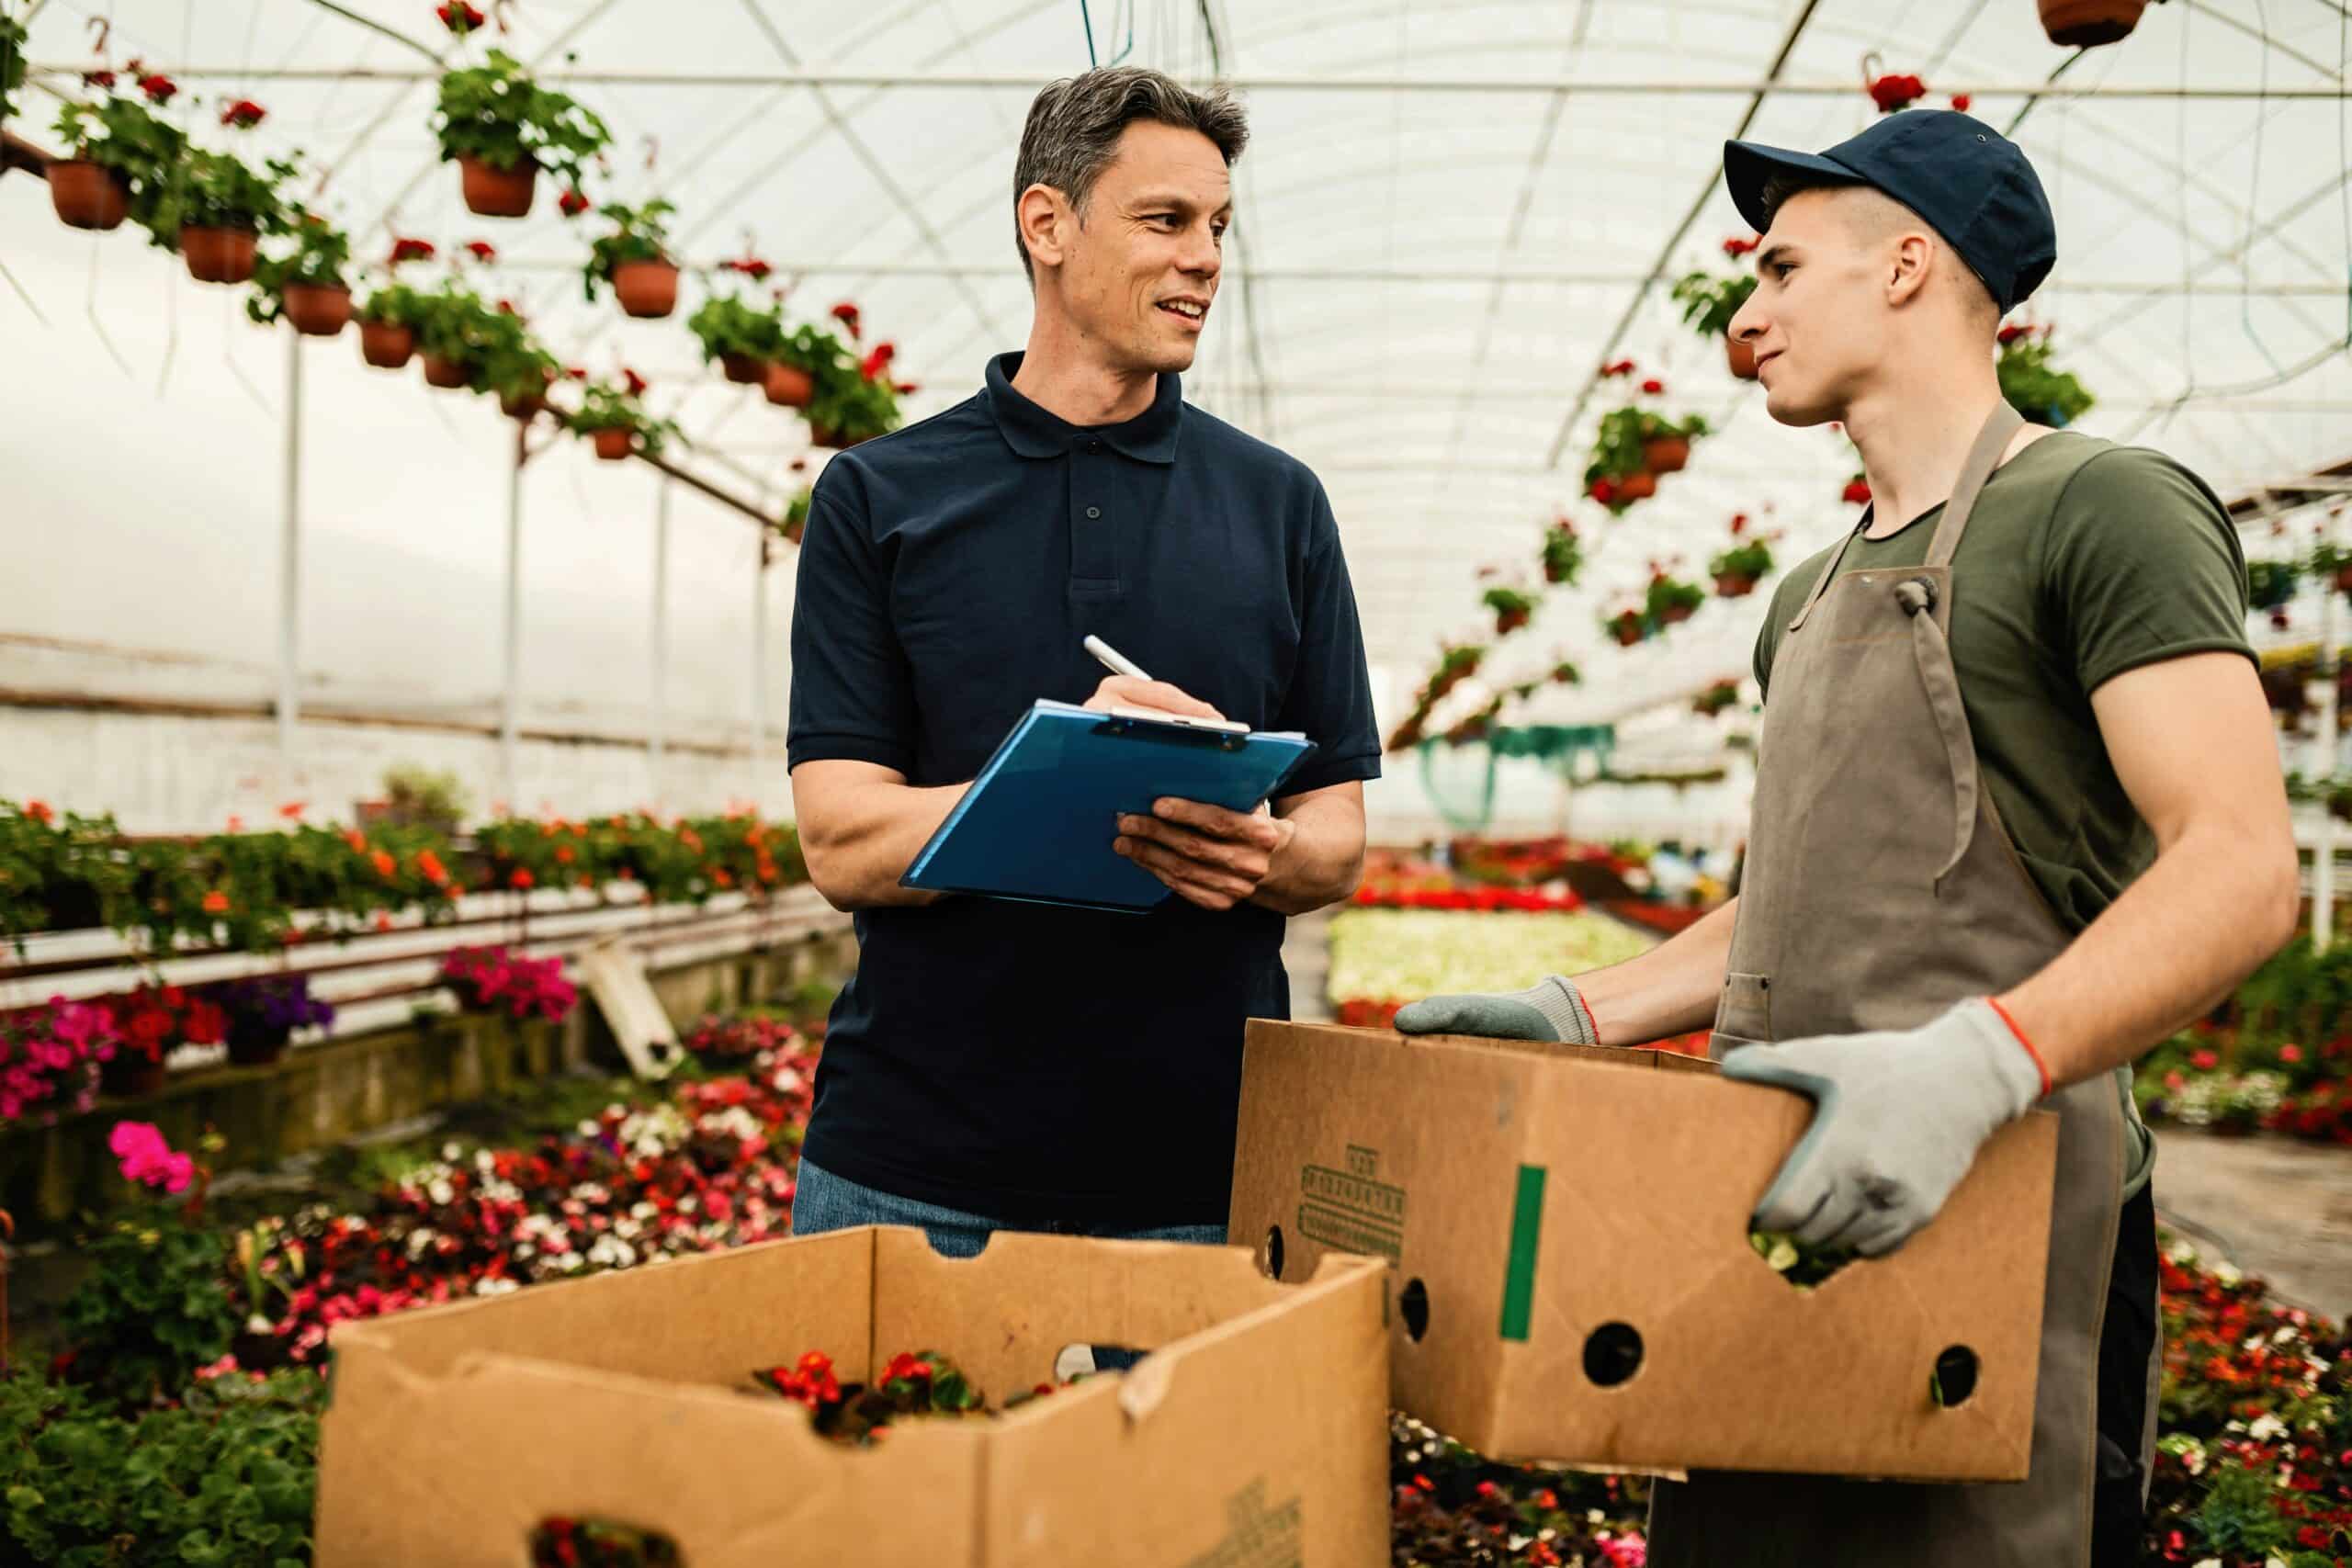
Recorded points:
(648, 289)
(386, 345)
(1667, 454)
(612, 446)
(318, 310)
(87, 195)
(498, 193)
(1733, 585)
(440, 372)
(525, 408)
(1740, 356)
(1508, 621)
(130, 1076)
(1674, 615)
(742, 369)
(2344, 580)
(1628, 632)
(254, 1053)
(2086, 24)
(217, 256)
(790, 387)
(1637, 487)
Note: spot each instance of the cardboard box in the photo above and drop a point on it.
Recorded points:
(1253, 1436)
(1568, 1228)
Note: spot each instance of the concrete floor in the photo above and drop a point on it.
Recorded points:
(2276, 1207)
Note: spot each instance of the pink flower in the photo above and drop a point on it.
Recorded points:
(2204, 1061)
(1625, 1550)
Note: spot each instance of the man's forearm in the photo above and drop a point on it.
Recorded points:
(1322, 862)
(2180, 939)
(871, 835)
(1671, 990)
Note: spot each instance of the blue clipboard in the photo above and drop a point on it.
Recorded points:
(1037, 824)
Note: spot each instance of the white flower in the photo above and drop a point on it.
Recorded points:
(2266, 1427)
(439, 1191)
(449, 1153)
(258, 1323)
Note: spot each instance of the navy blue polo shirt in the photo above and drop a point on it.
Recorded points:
(1021, 1060)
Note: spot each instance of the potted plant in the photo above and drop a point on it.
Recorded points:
(1563, 555)
(448, 325)
(388, 325)
(807, 354)
(741, 338)
(1457, 662)
(852, 404)
(1739, 569)
(154, 1020)
(2333, 564)
(2031, 386)
(1709, 300)
(1512, 609)
(635, 259)
(1628, 627)
(1666, 444)
(2270, 584)
(220, 208)
(305, 284)
(1566, 674)
(2086, 24)
(1615, 476)
(123, 159)
(1715, 698)
(12, 64)
(796, 517)
(515, 370)
(1670, 601)
(617, 424)
(502, 128)
(263, 1012)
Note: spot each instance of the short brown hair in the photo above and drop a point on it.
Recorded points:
(1788, 183)
(1075, 125)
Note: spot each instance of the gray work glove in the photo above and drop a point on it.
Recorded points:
(1898, 1117)
(1551, 1012)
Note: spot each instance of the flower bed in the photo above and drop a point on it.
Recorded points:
(1397, 955)
(2226, 1081)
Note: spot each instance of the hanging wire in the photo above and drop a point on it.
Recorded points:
(2254, 190)
(1087, 21)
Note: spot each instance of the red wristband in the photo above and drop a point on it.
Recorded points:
(2039, 1064)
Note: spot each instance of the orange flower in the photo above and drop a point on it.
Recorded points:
(383, 922)
(356, 839)
(236, 823)
(520, 878)
(563, 855)
(384, 862)
(587, 880)
(40, 813)
(292, 810)
(719, 874)
(216, 902)
(435, 871)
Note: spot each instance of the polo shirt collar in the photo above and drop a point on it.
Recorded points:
(1033, 432)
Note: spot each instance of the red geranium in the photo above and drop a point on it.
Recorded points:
(458, 18)
(633, 381)
(1894, 91)
(1959, 101)
(1621, 368)
(1653, 386)
(906, 389)
(571, 204)
(244, 114)
(158, 88)
(410, 249)
(1736, 247)
(847, 315)
(97, 79)
(878, 361)
(481, 250)
(1857, 490)
(751, 268)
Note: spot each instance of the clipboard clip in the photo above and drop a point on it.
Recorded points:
(1150, 724)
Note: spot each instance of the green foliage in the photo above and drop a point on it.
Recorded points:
(12, 63)
(225, 1480)
(1709, 301)
(61, 874)
(639, 235)
(2271, 583)
(318, 254)
(394, 304)
(216, 190)
(455, 324)
(820, 352)
(606, 407)
(1752, 559)
(851, 406)
(2238, 1518)
(725, 325)
(423, 798)
(1667, 597)
(1562, 553)
(2031, 386)
(152, 1310)
(495, 113)
(120, 134)
(1617, 445)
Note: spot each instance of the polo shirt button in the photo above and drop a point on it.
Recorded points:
(1095, 512)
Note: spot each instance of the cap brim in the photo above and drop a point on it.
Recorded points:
(1749, 165)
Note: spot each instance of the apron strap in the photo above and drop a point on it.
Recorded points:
(1828, 573)
(2000, 427)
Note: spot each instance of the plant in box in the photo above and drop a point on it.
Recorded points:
(502, 128)
(153, 1022)
(614, 419)
(1512, 608)
(59, 874)
(264, 1011)
(122, 162)
(50, 1058)
(492, 980)
(304, 281)
(634, 258)
(741, 339)
(215, 212)
(2030, 385)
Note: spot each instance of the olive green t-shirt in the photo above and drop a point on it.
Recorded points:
(2083, 560)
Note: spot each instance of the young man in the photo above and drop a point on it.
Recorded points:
(2018, 816)
(1004, 1065)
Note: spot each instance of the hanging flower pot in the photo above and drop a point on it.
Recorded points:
(318, 310)
(498, 193)
(744, 369)
(1628, 628)
(131, 1074)
(2086, 24)
(614, 445)
(446, 372)
(1638, 486)
(1665, 455)
(386, 345)
(648, 289)
(788, 386)
(1673, 615)
(87, 195)
(1740, 356)
(523, 406)
(217, 256)
(821, 436)
(1734, 585)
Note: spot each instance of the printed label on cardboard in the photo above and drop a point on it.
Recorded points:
(1256, 1536)
(1351, 1209)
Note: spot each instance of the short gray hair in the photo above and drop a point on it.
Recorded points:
(1075, 125)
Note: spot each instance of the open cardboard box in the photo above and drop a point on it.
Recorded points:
(1568, 1230)
(1253, 1436)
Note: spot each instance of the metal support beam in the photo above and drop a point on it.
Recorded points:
(2323, 856)
(657, 736)
(509, 723)
(290, 574)
(760, 671)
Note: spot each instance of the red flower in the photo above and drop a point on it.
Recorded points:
(158, 88)
(207, 1024)
(906, 389)
(1739, 523)
(1959, 101)
(39, 812)
(1858, 492)
(383, 862)
(2290, 1054)
(410, 249)
(430, 865)
(2011, 333)
(1653, 386)
(1604, 491)
(1621, 368)
(506, 308)
(577, 372)
(751, 268)
(633, 381)
(1894, 91)
(847, 315)
(878, 361)
(383, 921)
(571, 204)
(216, 902)
(244, 114)
(459, 16)
(481, 250)
(97, 79)
(1736, 247)
(2204, 1061)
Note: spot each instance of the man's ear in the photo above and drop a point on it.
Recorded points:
(1046, 223)
(1913, 258)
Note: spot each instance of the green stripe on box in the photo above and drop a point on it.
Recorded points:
(1519, 1274)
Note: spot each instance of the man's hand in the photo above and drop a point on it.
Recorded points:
(1211, 856)
(1126, 691)
(1898, 1117)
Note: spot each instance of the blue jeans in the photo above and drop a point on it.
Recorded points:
(828, 1203)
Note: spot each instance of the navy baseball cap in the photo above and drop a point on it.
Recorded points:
(1971, 182)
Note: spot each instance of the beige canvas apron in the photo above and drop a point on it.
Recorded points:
(1881, 889)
